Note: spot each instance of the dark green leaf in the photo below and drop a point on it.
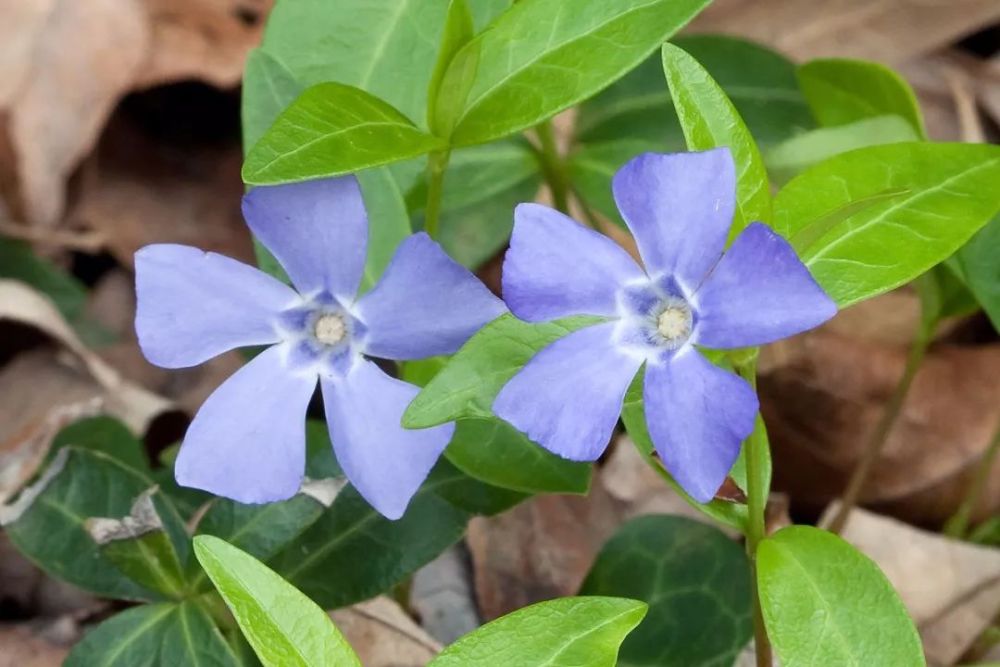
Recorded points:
(792, 156)
(332, 129)
(19, 262)
(979, 261)
(495, 452)
(696, 581)
(541, 57)
(467, 385)
(825, 603)
(709, 119)
(582, 632)
(155, 635)
(634, 417)
(469, 494)
(107, 435)
(887, 213)
(140, 547)
(842, 91)
(285, 628)
(77, 485)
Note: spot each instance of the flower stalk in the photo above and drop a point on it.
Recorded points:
(552, 166)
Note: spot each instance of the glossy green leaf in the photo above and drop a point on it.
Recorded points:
(709, 119)
(140, 547)
(842, 91)
(467, 385)
(790, 157)
(268, 87)
(495, 452)
(582, 632)
(388, 222)
(878, 217)
(696, 582)
(469, 494)
(540, 57)
(107, 435)
(285, 628)
(77, 485)
(825, 603)
(979, 262)
(634, 417)
(332, 129)
(482, 186)
(458, 31)
(155, 635)
(592, 167)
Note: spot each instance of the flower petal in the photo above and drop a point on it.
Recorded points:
(248, 440)
(425, 304)
(385, 462)
(318, 230)
(569, 396)
(557, 267)
(679, 207)
(192, 305)
(697, 414)
(758, 293)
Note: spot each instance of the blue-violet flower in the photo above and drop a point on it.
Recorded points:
(679, 208)
(247, 442)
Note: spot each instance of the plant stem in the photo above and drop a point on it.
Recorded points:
(552, 166)
(756, 528)
(437, 162)
(958, 525)
(876, 442)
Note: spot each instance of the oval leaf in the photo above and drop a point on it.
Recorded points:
(284, 627)
(333, 129)
(540, 57)
(699, 598)
(583, 632)
(877, 217)
(709, 119)
(826, 603)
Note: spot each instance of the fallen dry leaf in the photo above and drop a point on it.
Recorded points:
(950, 588)
(37, 644)
(383, 635)
(539, 550)
(891, 31)
(823, 398)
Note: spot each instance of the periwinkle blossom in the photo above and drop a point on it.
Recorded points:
(247, 442)
(679, 207)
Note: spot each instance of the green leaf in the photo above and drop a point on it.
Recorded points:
(591, 168)
(155, 635)
(792, 156)
(19, 262)
(980, 269)
(582, 632)
(284, 627)
(696, 581)
(140, 547)
(263, 530)
(469, 494)
(709, 119)
(107, 435)
(388, 222)
(495, 452)
(540, 57)
(482, 186)
(634, 417)
(268, 87)
(842, 91)
(79, 484)
(332, 129)
(825, 603)
(458, 31)
(352, 553)
(467, 385)
(886, 214)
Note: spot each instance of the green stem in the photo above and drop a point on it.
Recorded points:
(552, 166)
(757, 492)
(437, 163)
(876, 442)
(958, 525)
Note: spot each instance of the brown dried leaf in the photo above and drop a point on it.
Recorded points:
(383, 635)
(828, 391)
(35, 645)
(891, 31)
(951, 588)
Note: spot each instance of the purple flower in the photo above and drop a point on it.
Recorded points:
(247, 441)
(679, 208)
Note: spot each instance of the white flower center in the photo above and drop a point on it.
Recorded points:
(674, 322)
(330, 329)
